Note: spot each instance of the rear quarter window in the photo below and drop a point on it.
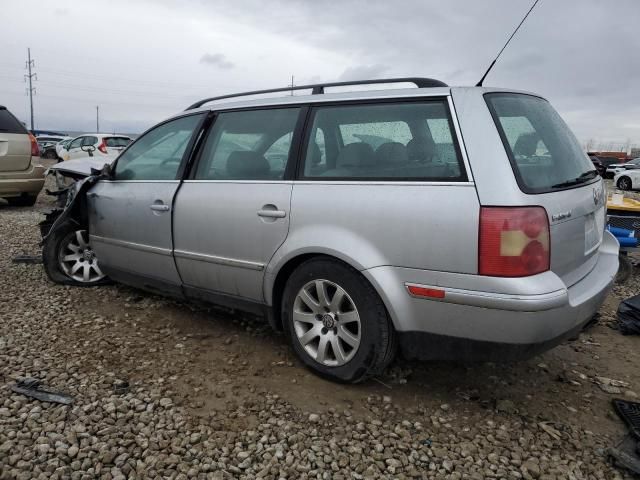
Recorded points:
(117, 141)
(543, 151)
(9, 123)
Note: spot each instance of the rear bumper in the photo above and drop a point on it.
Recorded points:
(488, 318)
(30, 182)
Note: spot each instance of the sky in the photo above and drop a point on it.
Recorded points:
(143, 60)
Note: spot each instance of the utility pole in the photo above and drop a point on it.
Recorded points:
(29, 77)
(97, 119)
(292, 85)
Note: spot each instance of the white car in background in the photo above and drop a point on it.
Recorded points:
(60, 147)
(616, 168)
(627, 179)
(103, 144)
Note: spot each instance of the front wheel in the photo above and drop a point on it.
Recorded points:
(624, 183)
(69, 259)
(337, 323)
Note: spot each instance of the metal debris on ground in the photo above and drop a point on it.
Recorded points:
(32, 387)
(629, 316)
(30, 259)
(625, 454)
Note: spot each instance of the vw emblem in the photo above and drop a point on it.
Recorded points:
(597, 196)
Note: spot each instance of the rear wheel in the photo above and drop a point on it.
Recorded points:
(624, 183)
(50, 154)
(23, 201)
(69, 259)
(337, 323)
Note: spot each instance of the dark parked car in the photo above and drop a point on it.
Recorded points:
(598, 165)
(607, 161)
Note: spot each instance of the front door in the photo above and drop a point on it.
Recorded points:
(233, 214)
(130, 215)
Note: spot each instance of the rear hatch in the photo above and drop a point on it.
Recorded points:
(15, 145)
(553, 172)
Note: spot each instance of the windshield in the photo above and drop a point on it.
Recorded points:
(544, 153)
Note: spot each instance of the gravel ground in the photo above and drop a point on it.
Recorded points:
(164, 389)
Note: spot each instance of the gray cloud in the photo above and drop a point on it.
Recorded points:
(216, 60)
(590, 74)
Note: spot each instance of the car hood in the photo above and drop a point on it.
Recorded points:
(82, 166)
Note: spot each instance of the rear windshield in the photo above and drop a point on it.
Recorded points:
(9, 123)
(117, 141)
(545, 155)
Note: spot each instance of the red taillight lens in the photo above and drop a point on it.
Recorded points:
(35, 150)
(103, 146)
(514, 241)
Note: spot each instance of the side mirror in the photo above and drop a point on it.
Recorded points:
(89, 149)
(67, 146)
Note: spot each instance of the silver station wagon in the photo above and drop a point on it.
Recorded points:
(452, 223)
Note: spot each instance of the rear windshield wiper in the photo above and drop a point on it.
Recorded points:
(585, 177)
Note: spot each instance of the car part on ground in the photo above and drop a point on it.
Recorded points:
(33, 388)
(341, 191)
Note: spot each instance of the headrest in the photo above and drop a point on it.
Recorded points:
(526, 144)
(247, 165)
(391, 152)
(421, 150)
(356, 155)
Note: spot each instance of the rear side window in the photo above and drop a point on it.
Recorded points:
(117, 141)
(9, 123)
(248, 145)
(396, 141)
(544, 153)
(87, 141)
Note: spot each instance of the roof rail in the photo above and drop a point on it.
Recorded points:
(318, 88)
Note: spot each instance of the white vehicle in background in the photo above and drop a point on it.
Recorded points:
(60, 147)
(48, 145)
(627, 179)
(616, 168)
(104, 144)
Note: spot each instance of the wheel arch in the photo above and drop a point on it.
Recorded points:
(279, 276)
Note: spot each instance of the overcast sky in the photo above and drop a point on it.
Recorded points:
(142, 60)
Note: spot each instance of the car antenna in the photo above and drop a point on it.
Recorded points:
(479, 84)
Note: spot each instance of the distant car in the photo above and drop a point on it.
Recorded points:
(21, 178)
(48, 144)
(597, 164)
(615, 168)
(60, 147)
(103, 145)
(627, 179)
(608, 161)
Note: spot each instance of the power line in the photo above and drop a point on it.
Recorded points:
(29, 77)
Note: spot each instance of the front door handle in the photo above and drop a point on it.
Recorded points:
(159, 207)
(272, 213)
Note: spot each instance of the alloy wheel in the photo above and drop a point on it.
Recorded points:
(327, 323)
(78, 260)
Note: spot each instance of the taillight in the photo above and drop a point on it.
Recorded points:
(35, 150)
(103, 146)
(514, 241)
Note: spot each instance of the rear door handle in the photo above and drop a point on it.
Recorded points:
(272, 213)
(159, 207)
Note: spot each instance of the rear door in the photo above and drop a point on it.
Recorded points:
(233, 214)
(130, 216)
(74, 150)
(15, 145)
(553, 171)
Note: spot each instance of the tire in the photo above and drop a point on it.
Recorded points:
(359, 339)
(23, 201)
(624, 183)
(64, 243)
(50, 154)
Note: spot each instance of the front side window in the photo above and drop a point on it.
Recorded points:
(76, 143)
(544, 154)
(248, 145)
(157, 155)
(396, 141)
